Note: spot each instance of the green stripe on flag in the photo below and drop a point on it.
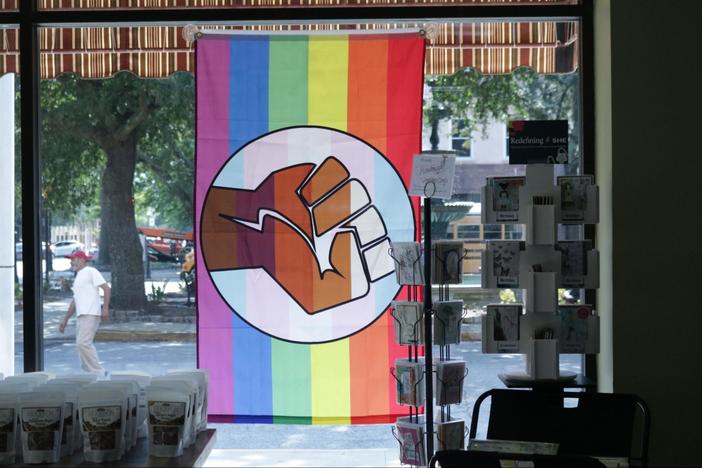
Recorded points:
(287, 82)
(291, 382)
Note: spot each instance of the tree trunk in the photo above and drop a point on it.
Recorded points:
(103, 259)
(119, 226)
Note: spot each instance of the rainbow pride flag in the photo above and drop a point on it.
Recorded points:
(303, 159)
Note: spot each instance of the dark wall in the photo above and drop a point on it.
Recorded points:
(657, 218)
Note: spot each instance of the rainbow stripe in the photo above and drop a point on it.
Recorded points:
(367, 85)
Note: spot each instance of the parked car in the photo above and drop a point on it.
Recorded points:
(66, 248)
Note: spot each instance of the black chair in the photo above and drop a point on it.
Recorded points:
(582, 423)
(477, 459)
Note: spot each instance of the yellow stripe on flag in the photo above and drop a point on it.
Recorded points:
(327, 106)
(328, 81)
(331, 383)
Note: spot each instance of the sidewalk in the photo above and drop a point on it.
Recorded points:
(316, 458)
(55, 309)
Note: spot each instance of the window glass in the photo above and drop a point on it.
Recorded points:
(117, 171)
(116, 198)
(474, 109)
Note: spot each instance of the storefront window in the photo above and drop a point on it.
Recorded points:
(117, 171)
(475, 108)
(117, 152)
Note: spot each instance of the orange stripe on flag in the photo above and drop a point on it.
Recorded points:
(367, 119)
(367, 107)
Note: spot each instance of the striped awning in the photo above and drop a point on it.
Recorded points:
(491, 47)
(155, 4)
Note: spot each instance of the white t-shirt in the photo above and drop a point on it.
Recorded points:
(86, 294)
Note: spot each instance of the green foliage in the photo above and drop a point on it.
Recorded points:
(81, 118)
(70, 163)
(165, 173)
(158, 293)
(507, 296)
(474, 99)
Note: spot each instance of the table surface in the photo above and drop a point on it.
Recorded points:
(195, 455)
(580, 381)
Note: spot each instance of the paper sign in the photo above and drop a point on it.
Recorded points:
(432, 175)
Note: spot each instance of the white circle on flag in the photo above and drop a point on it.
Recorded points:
(354, 213)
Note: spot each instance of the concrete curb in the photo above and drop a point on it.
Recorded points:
(130, 335)
(120, 335)
(136, 335)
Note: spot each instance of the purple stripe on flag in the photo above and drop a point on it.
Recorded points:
(214, 317)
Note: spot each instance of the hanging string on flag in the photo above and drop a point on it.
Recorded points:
(429, 30)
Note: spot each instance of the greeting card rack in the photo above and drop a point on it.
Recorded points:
(448, 313)
(410, 374)
(540, 265)
(425, 325)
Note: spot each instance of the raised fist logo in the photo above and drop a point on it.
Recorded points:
(309, 207)
(320, 214)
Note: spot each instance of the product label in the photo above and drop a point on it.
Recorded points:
(102, 423)
(41, 419)
(41, 424)
(166, 413)
(7, 416)
(167, 419)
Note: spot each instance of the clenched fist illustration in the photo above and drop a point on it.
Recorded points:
(312, 227)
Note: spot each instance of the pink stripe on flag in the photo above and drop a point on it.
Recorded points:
(214, 317)
(212, 152)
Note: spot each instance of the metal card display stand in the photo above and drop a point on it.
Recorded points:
(540, 274)
(444, 350)
(413, 353)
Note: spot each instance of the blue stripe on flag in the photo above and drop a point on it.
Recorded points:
(248, 110)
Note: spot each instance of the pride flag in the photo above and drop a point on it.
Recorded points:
(304, 153)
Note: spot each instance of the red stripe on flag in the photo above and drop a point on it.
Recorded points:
(404, 130)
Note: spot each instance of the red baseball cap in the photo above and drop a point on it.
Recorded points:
(80, 254)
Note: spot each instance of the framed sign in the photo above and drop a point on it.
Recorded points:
(538, 142)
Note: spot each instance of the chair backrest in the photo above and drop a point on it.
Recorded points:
(582, 423)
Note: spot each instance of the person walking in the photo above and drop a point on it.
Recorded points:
(86, 306)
